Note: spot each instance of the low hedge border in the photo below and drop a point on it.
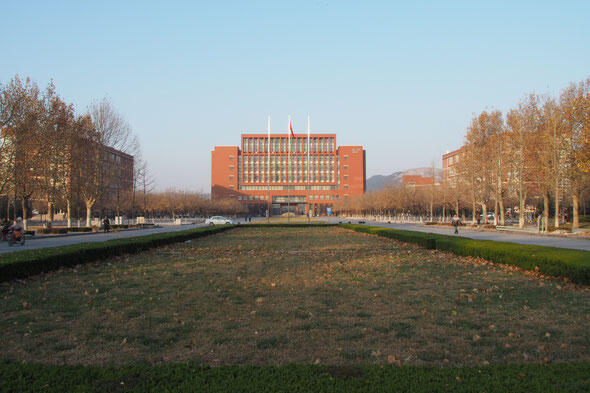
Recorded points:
(572, 264)
(294, 225)
(22, 264)
(569, 377)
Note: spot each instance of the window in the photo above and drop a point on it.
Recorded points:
(345, 167)
(231, 168)
(231, 158)
(345, 158)
(345, 177)
(346, 186)
(231, 177)
(231, 186)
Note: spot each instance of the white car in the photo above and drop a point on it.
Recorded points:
(218, 220)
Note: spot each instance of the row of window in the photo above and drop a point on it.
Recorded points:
(281, 145)
(287, 177)
(265, 197)
(284, 160)
(289, 187)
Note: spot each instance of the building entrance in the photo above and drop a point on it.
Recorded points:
(282, 204)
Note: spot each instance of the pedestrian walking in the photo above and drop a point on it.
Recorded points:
(456, 224)
(106, 224)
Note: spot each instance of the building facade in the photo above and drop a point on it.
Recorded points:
(449, 163)
(300, 174)
(417, 181)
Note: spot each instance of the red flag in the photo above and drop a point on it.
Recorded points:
(291, 129)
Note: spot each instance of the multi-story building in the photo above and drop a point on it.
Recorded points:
(417, 181)
(449, 162)
(265, 174)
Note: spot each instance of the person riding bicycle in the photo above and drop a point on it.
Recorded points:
(17, 229)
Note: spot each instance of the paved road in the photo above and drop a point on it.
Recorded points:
(33, 243)
(522, 238)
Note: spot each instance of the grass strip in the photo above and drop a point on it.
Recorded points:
(573, 264)
(572, 377)
(22, 264)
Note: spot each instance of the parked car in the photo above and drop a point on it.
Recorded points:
(218, 220)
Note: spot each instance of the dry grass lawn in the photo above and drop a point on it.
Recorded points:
(293, 295)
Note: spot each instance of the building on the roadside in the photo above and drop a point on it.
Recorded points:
(449, 164)
(264, 174)
(417, 181)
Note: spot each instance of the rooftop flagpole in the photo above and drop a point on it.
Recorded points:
(308, 194)
(289, 172)
(269, 204)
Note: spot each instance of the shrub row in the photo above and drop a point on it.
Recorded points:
(573, 264)
(22, 264)
(80, 229)
(52, 231)
(18, 377)
(286, 225)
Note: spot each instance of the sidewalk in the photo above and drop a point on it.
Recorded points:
(571, 241)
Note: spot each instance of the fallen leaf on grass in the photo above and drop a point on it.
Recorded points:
(392, 360)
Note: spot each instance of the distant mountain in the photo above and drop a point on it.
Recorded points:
(378, 182)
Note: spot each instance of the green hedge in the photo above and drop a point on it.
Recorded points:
(80, 229)
(22, 264)
(573, 264)
(574, 377)
(286, 225)
(52, 231)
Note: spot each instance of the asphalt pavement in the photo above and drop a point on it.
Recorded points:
(35, 243)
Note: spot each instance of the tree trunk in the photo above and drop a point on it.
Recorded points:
(473, 221)
(49, 214)
(556, 204)
(521, 212)
(25, 213)
(89, 205)
(546, 210)
(484, 212)
(69, 212)
(496, 212)
(457, 207)
(501, 203)
(575, 210)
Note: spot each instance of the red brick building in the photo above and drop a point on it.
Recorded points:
(265, 174)
(417, 180)
(449, 162)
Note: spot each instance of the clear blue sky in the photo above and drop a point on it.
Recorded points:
(402, 79)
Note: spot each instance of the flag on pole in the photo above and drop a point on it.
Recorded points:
(291, 129)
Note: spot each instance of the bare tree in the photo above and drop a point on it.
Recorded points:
(53, 149)
(114, 131)
(90, 168)
(574, 104)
